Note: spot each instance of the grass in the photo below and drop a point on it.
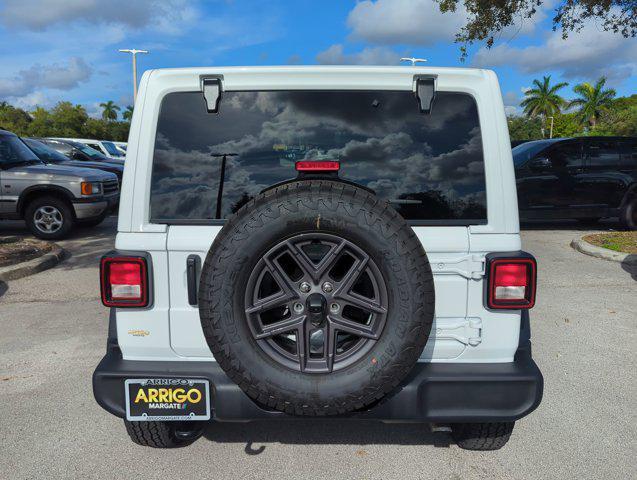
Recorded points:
(625, 242)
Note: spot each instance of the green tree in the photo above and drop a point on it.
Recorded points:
(68, 119)
(566, 125)
(592, 100)
(486, 19)
(128, 113)
(524, 128)
(109, 110)
(543, 100)
(619, 118)
(14, 119)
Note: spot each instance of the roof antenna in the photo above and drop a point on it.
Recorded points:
(413, 60)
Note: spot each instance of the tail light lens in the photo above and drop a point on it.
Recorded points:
(511, 283)
(124, 281)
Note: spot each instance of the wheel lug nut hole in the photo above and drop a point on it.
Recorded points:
(305, 287)
(334, 307)
(298, 307)
(327, 287)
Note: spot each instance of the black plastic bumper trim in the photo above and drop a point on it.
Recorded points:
(433, 392)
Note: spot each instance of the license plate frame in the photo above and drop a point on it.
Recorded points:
(177, 390)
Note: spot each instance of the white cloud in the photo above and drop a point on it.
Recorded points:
(335, 55)
(586, 54)
(30, 101)
(54, 76)
(410, 22)
(41, 14)
(512, 103)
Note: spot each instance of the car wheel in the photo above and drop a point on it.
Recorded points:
(628, 214)
(316, 298)
(49, 218)
(482, 436)
(164, 434)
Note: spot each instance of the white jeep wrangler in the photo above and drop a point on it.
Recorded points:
(312, 241)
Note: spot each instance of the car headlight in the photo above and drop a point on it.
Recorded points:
(91, 188)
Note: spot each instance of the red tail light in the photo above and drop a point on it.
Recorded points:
(317, 166)
(124, 281)
(511, 283)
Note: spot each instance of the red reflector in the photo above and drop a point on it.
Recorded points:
(511, 283)
(317, 166)
(124, 282)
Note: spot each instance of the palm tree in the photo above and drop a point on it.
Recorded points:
(109, 110)
(592, 99)
(128, 113)
(543, 100)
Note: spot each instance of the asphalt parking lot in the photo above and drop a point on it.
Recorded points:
(54, 330)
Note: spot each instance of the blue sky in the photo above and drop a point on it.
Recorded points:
(53, 50)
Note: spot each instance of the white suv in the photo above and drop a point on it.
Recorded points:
(311, 241)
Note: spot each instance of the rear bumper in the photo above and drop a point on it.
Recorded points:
(433, 392)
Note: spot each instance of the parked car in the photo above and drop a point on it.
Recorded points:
(78, 151)
(121, 146)
(278, 260)
(584, 178)
(105, 147)
(51, 156)
(52, 199)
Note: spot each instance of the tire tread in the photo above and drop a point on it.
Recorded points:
(363, 208)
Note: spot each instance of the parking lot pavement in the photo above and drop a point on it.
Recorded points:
(54, 331)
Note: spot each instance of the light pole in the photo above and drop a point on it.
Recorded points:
(551, 130)
(134, 52)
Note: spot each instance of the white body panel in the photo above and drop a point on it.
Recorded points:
(464, 331)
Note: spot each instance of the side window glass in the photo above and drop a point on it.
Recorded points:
(603, 154)
(7, 155)
(628, 154)
(566, 156)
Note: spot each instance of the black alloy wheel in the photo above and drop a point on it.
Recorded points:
(316, 302)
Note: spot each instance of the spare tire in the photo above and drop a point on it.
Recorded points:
(316, 298)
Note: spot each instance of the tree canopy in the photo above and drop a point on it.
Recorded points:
(63, 120)
(487, 18)
(109, 110)
(592, 99)
(543, 100)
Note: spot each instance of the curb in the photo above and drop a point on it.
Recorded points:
(583, 246)
(35, 265)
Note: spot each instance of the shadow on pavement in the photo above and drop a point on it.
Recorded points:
(3, 288)
(84, 246)
(630, 265)
(323, 431)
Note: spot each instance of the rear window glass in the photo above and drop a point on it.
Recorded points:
(430, 167)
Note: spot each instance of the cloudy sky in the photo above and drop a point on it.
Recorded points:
(53, 50)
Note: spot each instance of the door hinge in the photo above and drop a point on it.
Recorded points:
(212, 88)
(467, 331)
(469, 266)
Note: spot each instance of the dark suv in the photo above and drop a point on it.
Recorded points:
(585, 178)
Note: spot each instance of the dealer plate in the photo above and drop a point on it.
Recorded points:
(167, 399)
